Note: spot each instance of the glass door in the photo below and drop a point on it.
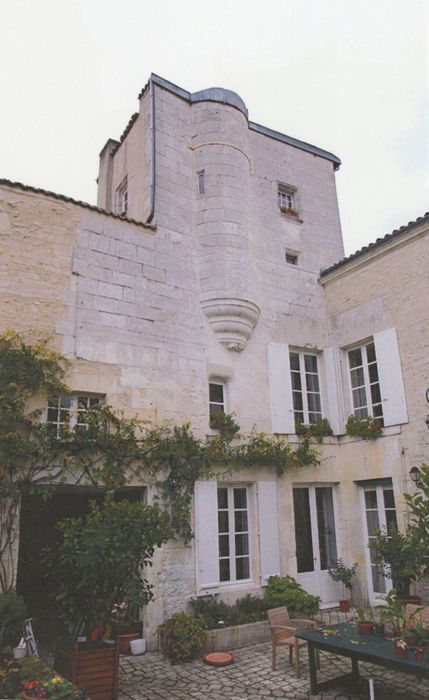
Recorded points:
(315, 539)
(378, 503)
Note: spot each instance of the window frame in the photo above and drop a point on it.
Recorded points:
(73, 411)
(121, 198)
(223, 404)
(294, 257)
(232, 556)
(369, 406)
(304, 388)
(290, 192)
(201, 181)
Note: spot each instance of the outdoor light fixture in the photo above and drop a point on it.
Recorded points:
(174, 480)
(415, 475)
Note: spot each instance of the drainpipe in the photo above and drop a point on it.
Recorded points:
(152, 138)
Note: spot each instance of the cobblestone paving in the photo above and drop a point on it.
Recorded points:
(151, 677)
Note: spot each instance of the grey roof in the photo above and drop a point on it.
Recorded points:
(397, 233)
(70, 200)
(231, 98)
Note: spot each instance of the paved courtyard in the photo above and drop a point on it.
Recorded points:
(152, 677)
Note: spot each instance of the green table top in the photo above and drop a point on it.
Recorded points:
(344, 637)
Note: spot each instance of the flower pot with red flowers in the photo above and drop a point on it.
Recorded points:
(400, 649)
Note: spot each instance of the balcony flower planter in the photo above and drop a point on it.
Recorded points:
(94, 668)
(288, 211)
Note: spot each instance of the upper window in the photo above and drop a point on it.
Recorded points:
(286, 197)
(305, 387)
(216, 398)
(68, 412)
(291, 258)
(365, 385)
(121, 198)
(201, 182)
(233, 529)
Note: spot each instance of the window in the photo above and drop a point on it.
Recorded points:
(365, 385)
(380, 514)
(286, 197)
(68, 412)
(305, 388)
(233, 528)
(216, 398)
(201, 182)
(121, 198)
(291, 258)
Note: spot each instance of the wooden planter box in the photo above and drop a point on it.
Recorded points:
(95, 670)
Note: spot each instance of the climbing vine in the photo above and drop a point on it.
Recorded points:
(111, 450)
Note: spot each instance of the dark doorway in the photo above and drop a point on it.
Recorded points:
(37, 530)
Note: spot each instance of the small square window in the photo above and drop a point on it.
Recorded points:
(121, 198)
(291, 258)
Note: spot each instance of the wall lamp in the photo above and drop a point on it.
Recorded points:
(415, 475)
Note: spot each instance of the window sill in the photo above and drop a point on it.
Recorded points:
(343, 439)
(291, 217)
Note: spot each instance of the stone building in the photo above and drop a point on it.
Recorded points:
(211, 276)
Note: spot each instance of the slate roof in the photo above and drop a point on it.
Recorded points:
(70, 200)
(397, 233)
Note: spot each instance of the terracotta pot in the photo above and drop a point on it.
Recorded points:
(420, 653)
(401, 652)
(365, 627)
(344, 605)
(123, 642)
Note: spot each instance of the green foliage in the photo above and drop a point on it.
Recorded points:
(392, 609)
(418, 506)
(284, 590)
(12, 615)
(262, 451)
(342, 573)
(10, 680)
(364, 614)
(401, 556)
(215, 614)
(320, 429)
(225, 424)
(367, 428)
(182, 637)
(99, 559)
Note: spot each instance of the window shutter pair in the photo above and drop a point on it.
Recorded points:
(206, 534)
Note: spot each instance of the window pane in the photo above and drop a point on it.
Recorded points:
(224, 545)
(223, 520)
(357, 377)
(224, 570)
(373, 373)
(371, 499)
(296, 381)
(240, 498)
(389, 498)
(370, 352)
(303, 539)
(240, 518)
(359, 398)
(242, 568)
(314, 417)
(372, 522)
(294, 361)
(375, 393)
(355, 358)
(310, 363)
(377, 411)
(297, 401)
(391, 519)
(241, 544)
(326, 526)
(314, 402)
(216, 392)
(64, 401)
(222, 498)
(312, 382)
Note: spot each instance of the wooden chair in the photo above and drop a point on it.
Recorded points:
(283, 630)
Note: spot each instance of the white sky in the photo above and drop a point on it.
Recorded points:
(351, 77)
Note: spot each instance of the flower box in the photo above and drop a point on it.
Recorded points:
(96, 670)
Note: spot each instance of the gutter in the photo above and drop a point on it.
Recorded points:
(153, 151)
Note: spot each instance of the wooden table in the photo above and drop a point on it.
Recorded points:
(343, 639)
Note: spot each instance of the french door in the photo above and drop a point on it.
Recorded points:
(378, 504)
(316, 541)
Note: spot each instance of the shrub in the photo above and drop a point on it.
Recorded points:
(252, 608)
(182, 637)
(215, 614)
(367, 428)
(320, 429)
(284, 590)
(12, 615)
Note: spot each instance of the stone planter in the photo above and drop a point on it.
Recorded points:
(228, 638)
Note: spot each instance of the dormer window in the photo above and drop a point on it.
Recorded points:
(286, 197)
(121, 198)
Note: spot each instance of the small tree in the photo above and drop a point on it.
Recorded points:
(342, 573)
(401, 556)
(100, 559)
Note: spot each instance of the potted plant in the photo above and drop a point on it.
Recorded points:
(402, 559)
(344, 575)
(97, 562)
(393, 611)
(418, 639)
(365, 621)
(400, 648)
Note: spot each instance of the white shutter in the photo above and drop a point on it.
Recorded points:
(390, 376)
(268, 530)
(206, 537)
(334, 390)
(280, 386)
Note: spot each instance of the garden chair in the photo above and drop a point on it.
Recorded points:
(283, 629)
